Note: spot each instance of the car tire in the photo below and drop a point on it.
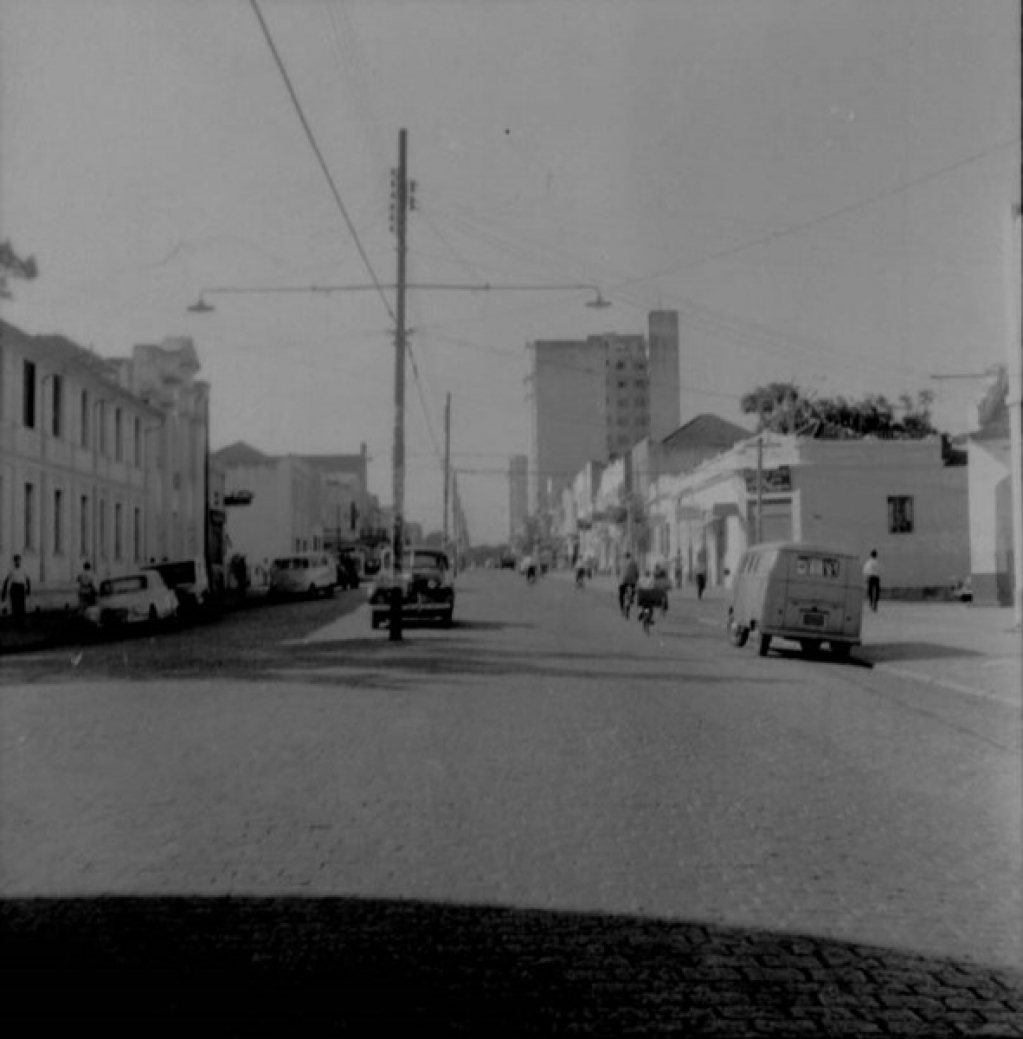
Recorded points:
(737, 634)
(763, 645)
(810, 647)
(153, 617)
(840, 650)
(447, 619)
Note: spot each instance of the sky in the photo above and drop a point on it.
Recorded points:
(821, 188)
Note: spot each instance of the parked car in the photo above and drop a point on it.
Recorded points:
(134, 598)
(808, 593)
(426, 583)
(189, 581)
(304, 573)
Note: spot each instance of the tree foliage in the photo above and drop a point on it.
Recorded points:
(782, 407)
(14, 266)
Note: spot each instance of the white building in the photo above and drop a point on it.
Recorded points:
(901, 497)
(284, 503)
(89, 467)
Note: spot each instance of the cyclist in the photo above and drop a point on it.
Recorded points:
(627, 586)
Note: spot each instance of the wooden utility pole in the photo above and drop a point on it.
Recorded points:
(399, 199)
(447, 466)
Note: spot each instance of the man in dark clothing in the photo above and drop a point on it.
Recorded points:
(630, 578)
(18, 587)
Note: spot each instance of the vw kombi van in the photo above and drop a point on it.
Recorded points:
(808, 593)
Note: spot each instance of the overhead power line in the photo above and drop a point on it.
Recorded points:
(311, 137)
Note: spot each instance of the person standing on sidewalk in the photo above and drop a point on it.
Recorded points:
(701, 571)
(86, 583)
(872, 576)
(18, 587)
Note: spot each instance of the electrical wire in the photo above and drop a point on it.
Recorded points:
(311, 137)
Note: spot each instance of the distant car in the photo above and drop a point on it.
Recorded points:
(189, 581)
(304, 573)
(132, 599)
(507, 562)
(427, 588)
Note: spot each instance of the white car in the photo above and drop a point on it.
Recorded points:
(131, 599)
(304, 573)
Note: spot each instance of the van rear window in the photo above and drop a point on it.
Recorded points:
(818, 566)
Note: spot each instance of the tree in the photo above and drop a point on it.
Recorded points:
(14, 266)
(782, 408)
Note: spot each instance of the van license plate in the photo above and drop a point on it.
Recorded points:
(814, 620)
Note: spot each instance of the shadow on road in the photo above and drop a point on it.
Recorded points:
(265, 965)
(884, 652)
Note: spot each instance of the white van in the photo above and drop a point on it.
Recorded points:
(808, 593)
(304, 573)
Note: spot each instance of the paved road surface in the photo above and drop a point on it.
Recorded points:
(539, 822)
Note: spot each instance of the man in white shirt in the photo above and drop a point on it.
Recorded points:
(872, 575)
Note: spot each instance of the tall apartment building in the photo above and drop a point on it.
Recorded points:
(593, 399)
(518, 497)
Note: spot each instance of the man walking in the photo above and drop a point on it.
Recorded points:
(627, 585)
(18, 587)
(701, 571)
(872, 575)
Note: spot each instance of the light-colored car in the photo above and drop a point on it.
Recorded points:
(427, 588)
(132, 599)
(304, 573)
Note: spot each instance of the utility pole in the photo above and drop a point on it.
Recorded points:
(760, 488)
(1015, 404)
(447, 466)
(400, 208)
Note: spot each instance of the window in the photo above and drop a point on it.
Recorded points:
(137, 445)
(118, 530)
(58, 522)
(83, 526)
(30, 516)
(102, 530)
(136, 535)
(83, 431)
(57, 409)
(2, 510)
(900, 515)
(28, 398)
(118, 435)
(102, 427)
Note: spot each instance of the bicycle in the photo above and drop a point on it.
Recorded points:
(628, 597)
(646, 617)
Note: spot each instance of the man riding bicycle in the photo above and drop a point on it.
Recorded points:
(627, 586)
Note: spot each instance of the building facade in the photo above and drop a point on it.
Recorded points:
(278, 506)
(593, 399)
(901, 497)
(84, 463)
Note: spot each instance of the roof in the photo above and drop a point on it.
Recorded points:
(239, 454)
(59, 349)
(705, 431)
(335, 463)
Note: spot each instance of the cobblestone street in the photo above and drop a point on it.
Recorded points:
(538, 822)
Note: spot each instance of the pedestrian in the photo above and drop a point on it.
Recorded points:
(86, 582)
(19, 588)
(872, 576)
(701, 571)
(629, 580)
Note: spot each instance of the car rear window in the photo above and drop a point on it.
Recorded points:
(118, 585)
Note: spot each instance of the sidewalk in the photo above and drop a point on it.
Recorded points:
(975, 650)
(47, 629)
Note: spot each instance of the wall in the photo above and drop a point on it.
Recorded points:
(991, 549)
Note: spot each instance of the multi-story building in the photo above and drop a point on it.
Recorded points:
(88, 465)
(280, 503)
(593, 399)
(346, 512)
